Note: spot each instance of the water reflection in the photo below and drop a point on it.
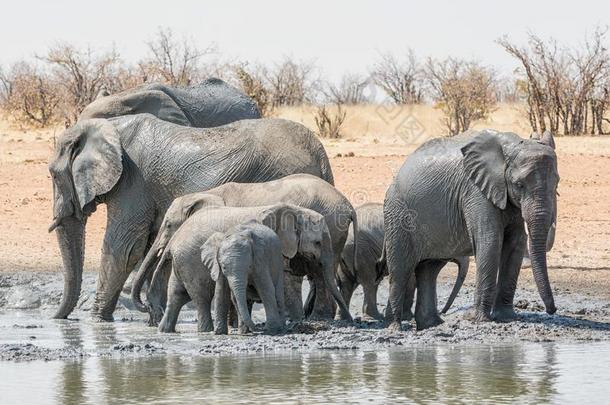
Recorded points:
(497, 374)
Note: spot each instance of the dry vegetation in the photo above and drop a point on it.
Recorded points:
(560, 88)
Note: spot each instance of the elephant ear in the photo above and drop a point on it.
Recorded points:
(547, 139)
(97, 160)
(282, 219)
(142, 101)
(209, 254)
(485, 165)
(195, 202)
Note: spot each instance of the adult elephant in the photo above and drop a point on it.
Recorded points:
(138, 164)
(210, 103)
(471, 194)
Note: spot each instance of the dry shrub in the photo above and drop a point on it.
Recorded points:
(566, 89)
(329, 122)
(464, 91)
(350, 91)
(400, 79)
(252, 84)
(29, 94)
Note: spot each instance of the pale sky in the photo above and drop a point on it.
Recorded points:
(338, 36)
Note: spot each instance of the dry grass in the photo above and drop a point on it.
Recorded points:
(371, 130)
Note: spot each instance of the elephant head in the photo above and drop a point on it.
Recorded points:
(87, 165)
(510, 170)
(238, 254)
(305, 232)
(179, 211)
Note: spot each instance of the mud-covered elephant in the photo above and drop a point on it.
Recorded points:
(248, 256)
(472, 194)
(303, 190)
(137, 165)
(301, 232)
(210, 103)
(372, 267)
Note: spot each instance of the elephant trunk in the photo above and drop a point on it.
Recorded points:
(330, 282)
(238, 286)
(539, 224)
(71, 238)
(142, 275)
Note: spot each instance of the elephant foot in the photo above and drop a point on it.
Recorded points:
(97, 317)
(372, 317)
(206, 326)
(165, 327)
(222, 330)
(320, 316)
(395, 327)
(504, 313)
(243, 330)
(476, 315)
(428, 322)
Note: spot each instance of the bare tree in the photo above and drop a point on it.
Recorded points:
(172, 61)
(81, 74)
(329, 122)
(566, 88)
(464, 91)
(29, 94)
(351, 90)
(401, 80)
(252, 83)
(291, 82)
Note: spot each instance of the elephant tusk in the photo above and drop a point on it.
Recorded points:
(159, 253)
(56, 222)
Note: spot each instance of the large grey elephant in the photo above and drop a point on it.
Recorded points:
(471, 195)
(248, 256)
(301, 231)
(210, 103)
(372, 266)
(303, 190)
(138, 164)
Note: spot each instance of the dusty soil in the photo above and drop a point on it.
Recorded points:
(579, 263)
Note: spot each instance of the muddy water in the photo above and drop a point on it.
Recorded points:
(525, 373)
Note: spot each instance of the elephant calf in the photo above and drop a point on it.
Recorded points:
(248, 255)
(371, 269)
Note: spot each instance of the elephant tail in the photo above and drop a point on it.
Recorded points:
(381, 267)
(355, 230)
(462, 263)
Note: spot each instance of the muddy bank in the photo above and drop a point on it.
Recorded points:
(28, 300)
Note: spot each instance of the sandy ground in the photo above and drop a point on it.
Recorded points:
(363, 162)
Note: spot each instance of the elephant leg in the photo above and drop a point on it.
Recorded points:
(124, 246)
(401, 266)
(488, 256)
(293, 296)
(369, 304)
(222, 303)
(510, 265)
(347, 285)
(426, 311)
(407, 307)
(323, 307)
(233, 316)
(177, 298)
(263, 283)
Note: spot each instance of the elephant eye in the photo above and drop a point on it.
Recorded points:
(519, 185)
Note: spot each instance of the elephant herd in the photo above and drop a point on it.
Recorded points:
(208, 202)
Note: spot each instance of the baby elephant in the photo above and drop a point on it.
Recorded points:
(372, 268)
(248, 255)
